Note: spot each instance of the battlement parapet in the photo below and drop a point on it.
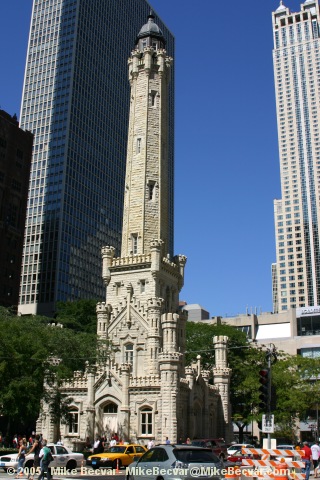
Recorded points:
(148, 381)
(225, 371)
(169, 318)
(78, 381)
(131, 260)
(169, 356)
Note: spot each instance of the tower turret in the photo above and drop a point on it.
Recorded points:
(146, 203)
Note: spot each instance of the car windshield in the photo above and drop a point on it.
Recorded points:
(116, 449)
(198, 443)
(195, 456)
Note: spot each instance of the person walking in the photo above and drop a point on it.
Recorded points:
(306, 458)
(36, 449)
(45, 456)
(315, 450)
(150, 444)
(21, 457)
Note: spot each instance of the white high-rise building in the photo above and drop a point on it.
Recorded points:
(296, 55)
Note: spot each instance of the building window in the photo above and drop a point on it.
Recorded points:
(153, 95)
(151, 186)
(73, 421)
(134, 243)
(138, 147)
(142, 286)
(110, 408)
(146, 421)
(129, 353)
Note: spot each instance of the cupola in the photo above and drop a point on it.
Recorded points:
(150, 35)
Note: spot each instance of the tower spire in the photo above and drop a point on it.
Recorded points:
(146, 203)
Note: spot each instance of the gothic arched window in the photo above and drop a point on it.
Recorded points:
(146, 421)
(73, 420)
(129, 353)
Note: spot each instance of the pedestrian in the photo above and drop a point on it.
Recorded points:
(150, 444)
(45, 456)
(315, 449)
(21, 457)
(15, 441)
(98, 445)
(306, 458)
(36, 448)
(167, 441)
(188, 442)
(113, 441)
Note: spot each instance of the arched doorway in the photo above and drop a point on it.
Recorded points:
(110, 419)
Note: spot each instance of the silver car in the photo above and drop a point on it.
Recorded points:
(176, 462)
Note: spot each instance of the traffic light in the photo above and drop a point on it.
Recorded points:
(264, 379)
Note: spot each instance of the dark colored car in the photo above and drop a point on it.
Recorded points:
(217, 445)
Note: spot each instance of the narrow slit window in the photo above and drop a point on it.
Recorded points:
(153, 96)
(138, 148)
(134, 243)
(151, 190)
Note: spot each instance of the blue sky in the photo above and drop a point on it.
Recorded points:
(226, 151)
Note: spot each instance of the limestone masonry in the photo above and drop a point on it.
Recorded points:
(144, 390)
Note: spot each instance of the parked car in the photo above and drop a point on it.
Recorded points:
(116, 456)
(237, 457)
(63, 457)
(288, 458)
(217, 445)
(238, 446)
(167, 458)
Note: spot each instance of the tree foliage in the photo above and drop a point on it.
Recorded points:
(79, 316)
(31, 348)
(243, 359)
(294, 378)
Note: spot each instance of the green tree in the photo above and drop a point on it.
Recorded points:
(244, 360)
(296, 380)
(79, 316)
(28, 346)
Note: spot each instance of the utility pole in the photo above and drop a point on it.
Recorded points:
(271, 358)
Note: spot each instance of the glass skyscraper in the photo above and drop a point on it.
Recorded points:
(296, 55)
(76, 102)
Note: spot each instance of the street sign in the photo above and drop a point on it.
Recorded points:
(267, 423)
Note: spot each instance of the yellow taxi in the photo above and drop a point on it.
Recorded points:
(117, 456)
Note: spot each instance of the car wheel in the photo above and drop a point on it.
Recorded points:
(28, 464)
(71, 465)
(117, 463)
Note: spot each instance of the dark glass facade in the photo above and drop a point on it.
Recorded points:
(76, 102)
(15, 161)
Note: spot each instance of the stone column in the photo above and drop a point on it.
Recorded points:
(125, 369)
(153, 339)
(221, 375)
(169, 378)
(90, 410)
(107, 257)
(103, 319)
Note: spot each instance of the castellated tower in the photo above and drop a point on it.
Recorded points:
(143, 285)
(144, 390)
